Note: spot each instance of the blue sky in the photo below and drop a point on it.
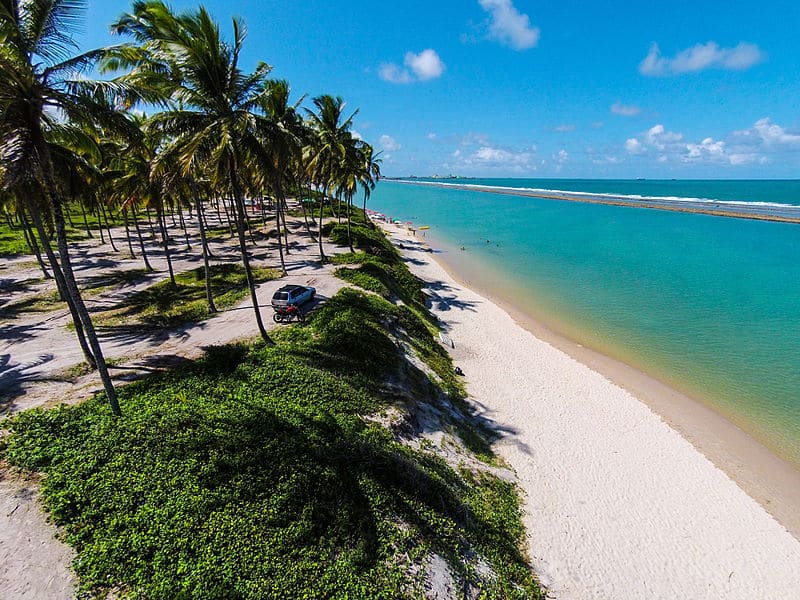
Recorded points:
(540, 89)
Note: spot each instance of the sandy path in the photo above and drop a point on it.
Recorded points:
(33, 564)
(618, 504)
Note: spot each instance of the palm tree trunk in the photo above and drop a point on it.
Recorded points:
(279, 194)
(237, 196)
(71, 286)
(150, 222)
(75, 295)
(183, 224)
(202, 223)
(100, 223)
(85, 220)
(147, 265)
(284, 208)
(249, 226)
(349, 237)
(128, 231)
(219, 216)
(231, 211)
(305, 213)
(61, 285)
(108, 227)
(165, 238)
(319, 225)
(206, 267)
(31, 239)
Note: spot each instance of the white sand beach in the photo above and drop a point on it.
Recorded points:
(618, 504)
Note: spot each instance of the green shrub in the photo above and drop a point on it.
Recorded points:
(252, 474)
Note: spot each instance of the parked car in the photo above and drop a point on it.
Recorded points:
(293, 295)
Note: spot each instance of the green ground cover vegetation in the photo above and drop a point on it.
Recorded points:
(269, 471)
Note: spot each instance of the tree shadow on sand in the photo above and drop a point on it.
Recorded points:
(14, 376)
(140, 333)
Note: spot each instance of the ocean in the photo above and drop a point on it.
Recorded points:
(710, 305)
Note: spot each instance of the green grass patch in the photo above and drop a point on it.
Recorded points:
(253, 474)
(165, 305)
(12, 240)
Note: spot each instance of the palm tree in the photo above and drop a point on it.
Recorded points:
(280, 135)
(140, 182)
(369, 174)
(36, 69)
(214, 118)
(328, 148)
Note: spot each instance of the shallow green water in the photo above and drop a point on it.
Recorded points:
(710, 305)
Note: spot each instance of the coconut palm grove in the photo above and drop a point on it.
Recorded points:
(297, 462)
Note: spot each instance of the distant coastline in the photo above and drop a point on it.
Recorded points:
(741, 210)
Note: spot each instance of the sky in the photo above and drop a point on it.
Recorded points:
(518, 88)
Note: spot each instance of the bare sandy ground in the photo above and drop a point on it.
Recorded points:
(35, 348)
(618, 505)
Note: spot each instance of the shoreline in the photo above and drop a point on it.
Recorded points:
(621, 498)
(667, 205)
(766, 477)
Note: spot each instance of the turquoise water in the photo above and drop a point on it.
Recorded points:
(710, 305)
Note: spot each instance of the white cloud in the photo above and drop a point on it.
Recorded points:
(757, 144)
(431, 136)
(708, 149)
(771, 134)
(701, 57)
(393, 74)
(564, 128)
(388, 143)
(424, 66)
(498, 158)
(509, 26)
(745, 158)
(660, 138)
(562, 157)
(634, 146)
(625, 110)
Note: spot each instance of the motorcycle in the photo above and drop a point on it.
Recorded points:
(285, 314)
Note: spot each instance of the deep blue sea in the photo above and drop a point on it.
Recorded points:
(710, 305)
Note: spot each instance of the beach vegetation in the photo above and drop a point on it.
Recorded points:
(257, 472)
